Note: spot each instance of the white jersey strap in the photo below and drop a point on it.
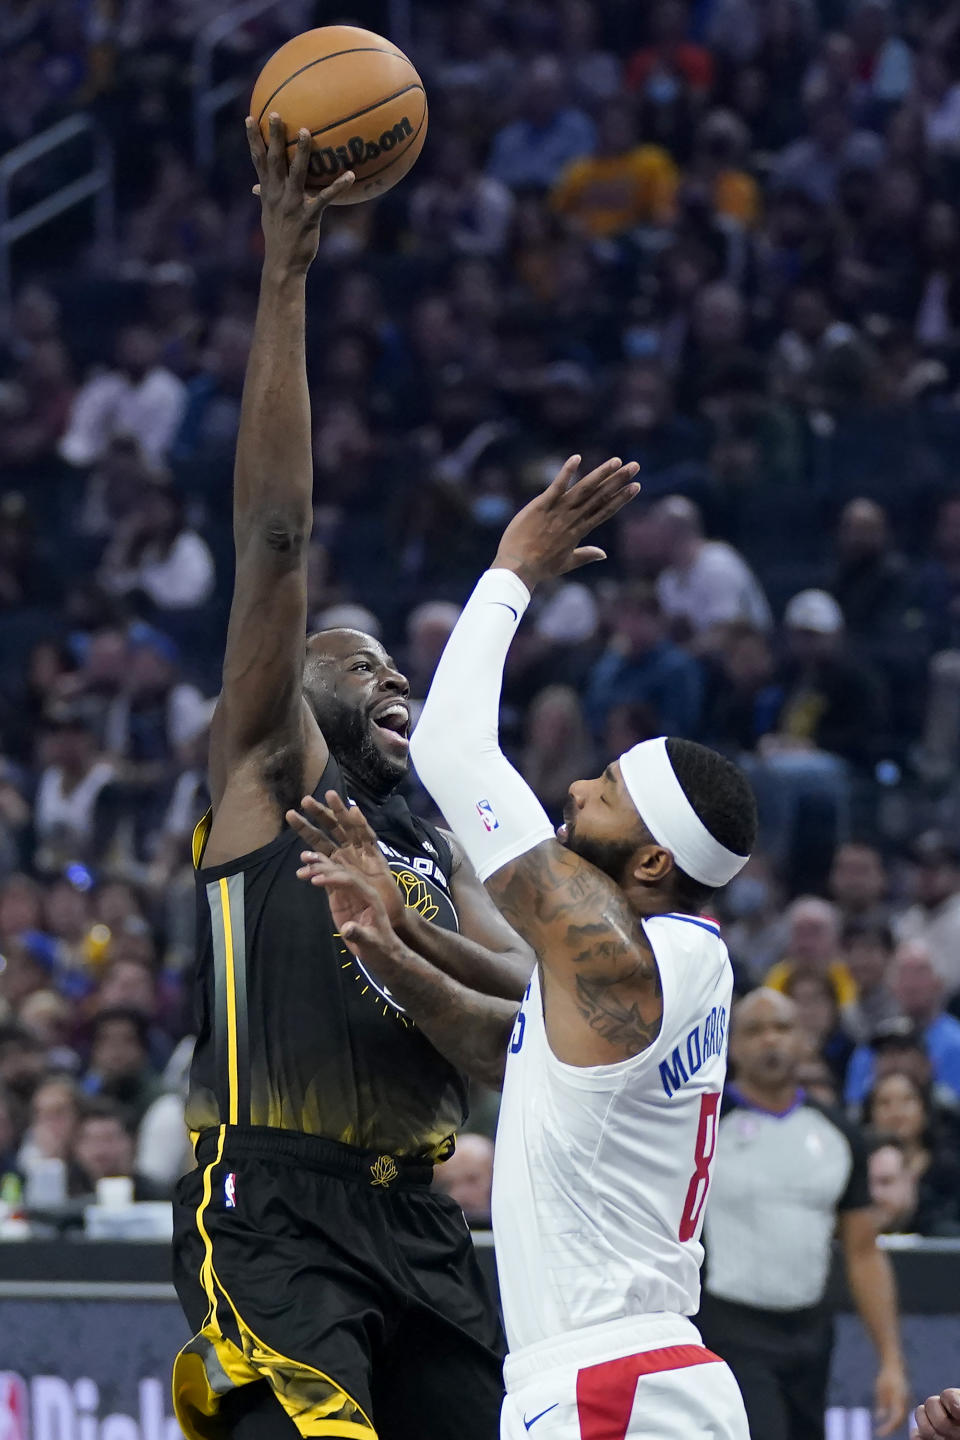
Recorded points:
(456, 745)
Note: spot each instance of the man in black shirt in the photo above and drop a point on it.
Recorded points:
(330, 1291)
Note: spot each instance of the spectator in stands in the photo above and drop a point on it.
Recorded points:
(720, 164)
(642, 666)
(934, 917)
(208, 431)
(644, 423)
(872, 584)
(22, 1061)
(833, 702)
(754, 927)
(54, 1109)
(623, 184)
(868, 949)
(49, 1018)
(899, 1106)
(812, 333)
(429, 627)
(14, 818)
(10, 1176)
(131, 984)
(817, 164)
(705, 585)
(25, 576)
(557, 746)
(671, 61)
(21, 908)
(467, 1177)
(918, 991)
(103, 1145)
(75, 807)
(883, 62)
(893, 1187)
(120, 1066)
(858, 882)
(938, 100)
(157, 556)
(533, 149)
(744, 696)
(938, 578)
(595, 73)
(818, 1016)
(813, 947)
(140, 398)
(457, 209)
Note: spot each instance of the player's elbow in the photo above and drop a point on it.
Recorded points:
(281, 530)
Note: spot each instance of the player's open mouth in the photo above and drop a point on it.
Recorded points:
(393, 722)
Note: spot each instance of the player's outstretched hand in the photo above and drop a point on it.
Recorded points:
(543, 539)
(340, 832)
(356, 908)
(939, 1417)
(291, 211)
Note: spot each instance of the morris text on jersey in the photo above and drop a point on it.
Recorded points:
(707, 1038)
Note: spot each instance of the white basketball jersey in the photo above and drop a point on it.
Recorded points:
(601, 1173)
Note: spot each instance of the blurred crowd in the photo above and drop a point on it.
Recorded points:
(721, 238)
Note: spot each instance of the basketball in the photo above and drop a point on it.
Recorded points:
(360, 98)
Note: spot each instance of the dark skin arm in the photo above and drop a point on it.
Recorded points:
(602, 996)
(487, 955)
(872, 1285)
(471, 1030)
(265, 745)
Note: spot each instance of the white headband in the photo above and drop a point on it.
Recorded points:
(672, 821)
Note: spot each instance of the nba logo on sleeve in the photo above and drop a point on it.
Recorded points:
(230, 1190)
(485, 811)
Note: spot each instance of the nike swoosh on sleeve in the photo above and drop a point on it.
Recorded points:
(503, 604)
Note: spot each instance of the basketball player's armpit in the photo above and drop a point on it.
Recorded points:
(627, 1014)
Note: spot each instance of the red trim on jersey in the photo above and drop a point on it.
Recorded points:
(605, 1392)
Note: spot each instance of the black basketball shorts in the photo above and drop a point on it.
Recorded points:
(339, 1278)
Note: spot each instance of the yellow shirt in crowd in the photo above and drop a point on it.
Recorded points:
(844, 985)
(610, 194)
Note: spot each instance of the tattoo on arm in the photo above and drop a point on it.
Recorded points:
(587, 940)
(618, 1014)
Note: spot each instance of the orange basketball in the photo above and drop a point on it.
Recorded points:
(360, 98)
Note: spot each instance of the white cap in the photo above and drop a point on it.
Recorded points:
(814, 610)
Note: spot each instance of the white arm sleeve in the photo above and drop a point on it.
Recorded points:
(456, 748)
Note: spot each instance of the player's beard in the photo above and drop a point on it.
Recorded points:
(348, 732)
(610, 856)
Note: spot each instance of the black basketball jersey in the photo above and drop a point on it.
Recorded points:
(293, 1031)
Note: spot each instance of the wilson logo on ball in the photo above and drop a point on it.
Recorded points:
(358, 151)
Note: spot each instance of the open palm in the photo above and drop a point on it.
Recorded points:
(336, 831)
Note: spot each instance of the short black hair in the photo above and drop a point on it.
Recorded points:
(15, 1036)
(99, 1107)
(862, 928)
(721, 795)
(131, 1017)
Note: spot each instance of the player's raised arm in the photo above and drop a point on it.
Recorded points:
(576, 919)
(264, 737)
